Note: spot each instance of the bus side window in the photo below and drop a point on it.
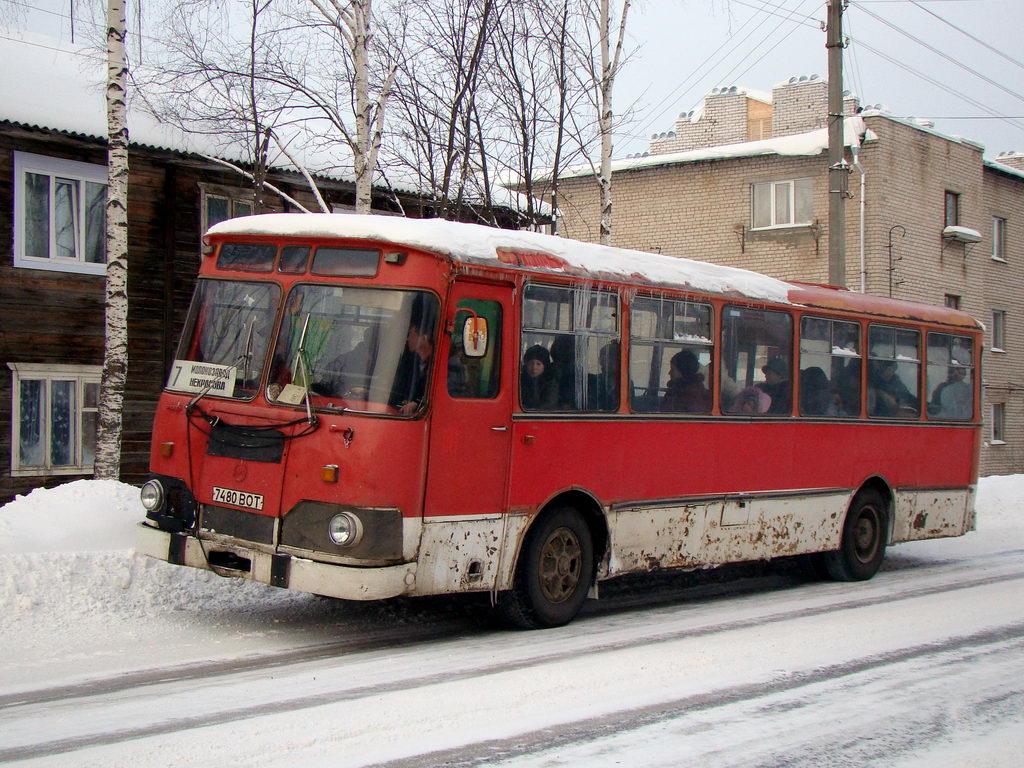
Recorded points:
(670, 356)
(894, 372)
(829, 367)
(475, 377)
(950, 384)
(757, 353)
(578, 329)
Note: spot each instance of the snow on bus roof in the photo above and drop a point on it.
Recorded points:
(474, 243)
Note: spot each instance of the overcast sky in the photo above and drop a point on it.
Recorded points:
(684, 48)
(681, 49)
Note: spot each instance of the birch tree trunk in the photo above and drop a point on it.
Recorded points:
(365, 158)
(609, 68)
(115, 354)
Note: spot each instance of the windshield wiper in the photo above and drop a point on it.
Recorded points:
(245, 357)
(307, 377)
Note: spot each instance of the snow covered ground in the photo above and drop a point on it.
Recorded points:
(110, 659)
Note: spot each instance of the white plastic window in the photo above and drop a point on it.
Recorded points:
(59, 214)
(54, 410)
(782, 203)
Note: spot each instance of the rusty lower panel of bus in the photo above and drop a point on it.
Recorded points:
(932, 513)
(478, 553)
(709, 532)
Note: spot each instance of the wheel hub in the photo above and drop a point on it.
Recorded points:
(561, 564)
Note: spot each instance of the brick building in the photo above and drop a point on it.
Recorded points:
(743, 182)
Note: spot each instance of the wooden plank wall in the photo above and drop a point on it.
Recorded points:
(57, 317)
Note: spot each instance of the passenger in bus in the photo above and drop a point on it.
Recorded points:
(603, 387)
(563, 364)
(538, 388)
(686, 392)
(410, 384)
(846, 383)
(815, 397)
(349, 373)
(953, 398)
(751, 400)
(887, 394)
(777, 385)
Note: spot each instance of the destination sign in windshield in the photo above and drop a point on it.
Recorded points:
(211, 378)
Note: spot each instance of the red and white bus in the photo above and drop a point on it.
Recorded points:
(365, 407)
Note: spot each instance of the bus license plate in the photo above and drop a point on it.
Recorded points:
(237, 498)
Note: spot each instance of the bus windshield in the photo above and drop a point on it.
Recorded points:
(362, 349)
(226, 337)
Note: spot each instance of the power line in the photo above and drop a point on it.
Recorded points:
(968, 34)
(944, 86)
(944, 55)
(83, 54)
(859, 78)
(779, 42)
(696, 72)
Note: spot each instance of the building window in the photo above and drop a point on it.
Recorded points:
(53, 425)
(59, 214)
(952, 218)
(222, 203)
(952, 301)
(781, 203)
(998, 330)
(998, 423)
(998, 238)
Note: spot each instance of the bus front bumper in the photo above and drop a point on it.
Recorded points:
(342, 581)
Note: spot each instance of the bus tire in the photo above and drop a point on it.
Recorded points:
(553, 574)
(862, 547)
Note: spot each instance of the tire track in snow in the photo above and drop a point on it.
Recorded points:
(565, 735)
(232, 714)
(385, 639)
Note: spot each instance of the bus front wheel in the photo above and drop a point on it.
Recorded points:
(863, 544)
(553, 574)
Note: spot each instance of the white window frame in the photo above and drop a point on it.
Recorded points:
(998, 330)
(998, 424)
(81, 375)
(775, 223)
(999, 238)
(234, 197)
(44, 165)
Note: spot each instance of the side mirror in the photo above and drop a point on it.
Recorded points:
(474, 336)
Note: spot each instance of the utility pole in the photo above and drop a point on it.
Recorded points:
(838, 170)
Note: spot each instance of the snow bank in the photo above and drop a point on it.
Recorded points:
(69, 580)
(82, 516)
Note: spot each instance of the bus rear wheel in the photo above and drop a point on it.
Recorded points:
(863, 544)
(553, 574)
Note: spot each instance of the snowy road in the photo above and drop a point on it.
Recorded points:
(769, 670)
(107, 659)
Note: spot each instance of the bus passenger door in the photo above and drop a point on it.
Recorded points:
(471, 422)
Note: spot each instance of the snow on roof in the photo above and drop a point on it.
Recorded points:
(995, 165)
(477, 244)
(67, 94)
(923, 125)
(807, 144)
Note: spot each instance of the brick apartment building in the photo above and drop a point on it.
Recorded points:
(743, 182)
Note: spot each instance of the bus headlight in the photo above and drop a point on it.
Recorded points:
(152, 495)
(344, 529)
